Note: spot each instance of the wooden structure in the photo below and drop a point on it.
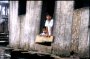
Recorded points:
(40, 39)
(70, 28)
(4, 17)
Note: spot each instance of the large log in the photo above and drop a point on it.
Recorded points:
(14, 25)
(75, 30)
(62, 27)
(83, 48)
(80, 35)
(30, 24)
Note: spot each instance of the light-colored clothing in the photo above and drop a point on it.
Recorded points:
(43, 34)
(49, 24)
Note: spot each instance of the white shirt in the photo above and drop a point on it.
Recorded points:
(49, 24)
(43, 33)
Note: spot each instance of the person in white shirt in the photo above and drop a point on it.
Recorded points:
(49, 24)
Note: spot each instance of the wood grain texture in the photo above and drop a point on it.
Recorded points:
(80, 33)
(84, 40)
(23, 37)
(14, 28)
(30, 24)
(62, 26)
(42, 48)
(75, 30)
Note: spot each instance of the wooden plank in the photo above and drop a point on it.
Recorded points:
(40, 39)
(23, 33)
(2, 41)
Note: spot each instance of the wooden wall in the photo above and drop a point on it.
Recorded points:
(70, 28)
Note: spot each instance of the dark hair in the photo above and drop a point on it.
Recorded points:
(44, 27)
(48, 15)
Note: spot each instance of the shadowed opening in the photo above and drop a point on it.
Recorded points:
(47, 8)
(22, 7)
(20, 55)
(81, 3)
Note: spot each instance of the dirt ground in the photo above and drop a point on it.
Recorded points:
(5, 55)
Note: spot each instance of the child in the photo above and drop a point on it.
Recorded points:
(44, 32)
(49, 24)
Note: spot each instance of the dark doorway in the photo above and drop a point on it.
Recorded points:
(47, 8)
(32, 55)
(81, 3)
(22, 7)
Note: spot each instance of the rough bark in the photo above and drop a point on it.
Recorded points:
(62, 27)
(30, 25)
(14, 28)
(80, 33)
(75, 30)
(83, 48)
(43, 48)
(23, 39)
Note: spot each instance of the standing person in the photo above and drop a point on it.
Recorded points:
(49, 24)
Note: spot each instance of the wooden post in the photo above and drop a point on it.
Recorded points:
(30, 25)
(83, 35)
(62, 27)
(75, 30)
(23, 40)
(14, 28)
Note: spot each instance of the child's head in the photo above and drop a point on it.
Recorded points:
(48, 17)
(44, 28)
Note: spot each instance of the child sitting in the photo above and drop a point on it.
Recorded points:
(44, 32)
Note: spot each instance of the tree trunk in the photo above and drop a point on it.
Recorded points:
(75, 30)
(83, 48)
